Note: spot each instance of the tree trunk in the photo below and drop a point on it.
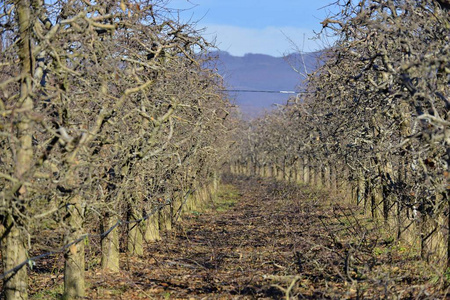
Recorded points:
(135, 235)
(319, 176)
(333, 177)
(300, 171)
(287, 172)
(327, 177)
(151, 228)
(312, 175)
(166, 213)
(423, 235)
(216, 181)
(14, 249)
(345, 185)
(448, 231)
(110, 244)
(13, 254)
(376, 194)
(388, 174)
(74, 285)
(306, 174)
(360, 194)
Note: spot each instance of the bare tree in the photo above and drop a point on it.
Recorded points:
(110, 113)
(375, 116)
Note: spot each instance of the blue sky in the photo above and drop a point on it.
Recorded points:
(258, 26)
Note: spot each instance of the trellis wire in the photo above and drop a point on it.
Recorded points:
(31, 261)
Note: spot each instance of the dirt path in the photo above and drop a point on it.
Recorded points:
(240, 252)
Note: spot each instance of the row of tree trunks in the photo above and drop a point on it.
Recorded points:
(14, 250)
(301, 171)
(370, 193)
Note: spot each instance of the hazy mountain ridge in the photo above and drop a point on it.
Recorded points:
(262, 72)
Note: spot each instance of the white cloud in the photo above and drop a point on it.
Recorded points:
(275, 41)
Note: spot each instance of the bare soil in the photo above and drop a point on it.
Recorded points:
(265, 240)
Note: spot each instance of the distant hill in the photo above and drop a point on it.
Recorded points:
(262, 72)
